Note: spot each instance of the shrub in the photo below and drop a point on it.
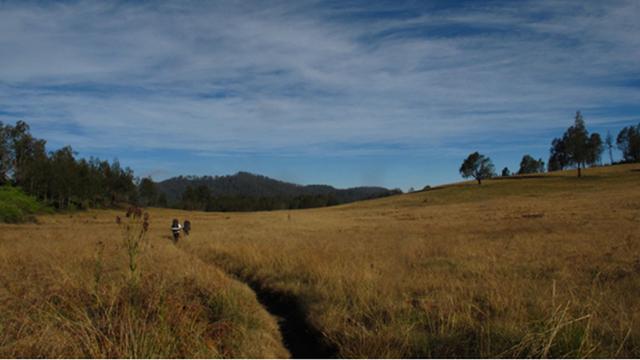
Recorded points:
(16, 206)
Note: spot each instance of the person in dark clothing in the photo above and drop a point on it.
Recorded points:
(175, 229)
(187, 227)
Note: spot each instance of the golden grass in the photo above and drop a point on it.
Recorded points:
(528, 267)
(535, 267)
(66, 291)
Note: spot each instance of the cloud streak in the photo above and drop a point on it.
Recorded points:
(306, 77)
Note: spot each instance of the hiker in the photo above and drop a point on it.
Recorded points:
(176, 228)
(187, 227)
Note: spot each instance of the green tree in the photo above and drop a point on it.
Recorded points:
(576, 147)
(628, 142)
(202, 196)
(22, 144)
(162, 200)
(505, 172)
(189, 198)
(558, 156)
(63, 176)
(529, 165)
(595, 147)
(5, 154)
(477, 166)
(577, 142)
(37, 170)
(148, 192)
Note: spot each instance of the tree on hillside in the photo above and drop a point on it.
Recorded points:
(529, 165)
(577, 143)
(188, 198)
(558, 159)
(148, 192)
(505, 172)
(198, 198)
(575, 148)
(56, 177)
(36, 169)
(5, 152)
(203, 196)
(628, 142)
(595, 149)
(609, 143)
(24, 147)
(162, 200)
(63, 176)
(477, 166)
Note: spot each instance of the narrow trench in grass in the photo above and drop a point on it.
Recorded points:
(301, 339)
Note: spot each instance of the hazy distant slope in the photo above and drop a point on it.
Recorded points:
(251, 185)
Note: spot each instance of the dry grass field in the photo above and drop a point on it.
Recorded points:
(544, 266)
(66, 291)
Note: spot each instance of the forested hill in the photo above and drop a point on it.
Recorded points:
(247, 185)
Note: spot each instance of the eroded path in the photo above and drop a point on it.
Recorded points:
(300, 338)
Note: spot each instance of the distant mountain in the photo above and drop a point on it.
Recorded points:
(246, 185)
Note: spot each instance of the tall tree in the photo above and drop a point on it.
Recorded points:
(22, 143)
(609, 143)
(595, 147)
(5, 154)
(477, 166)
(558, 155)
(148, 192)
(505, 172)
(63, 176)
(189, 198)
(35, 169)
(577, 142)
(629, 143)
(202, 196)
(162, 200)
(576, 147)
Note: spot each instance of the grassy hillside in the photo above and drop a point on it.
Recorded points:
(521, 267)
(540, 266)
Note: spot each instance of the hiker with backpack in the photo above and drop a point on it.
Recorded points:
(175, 229)
(187, 227)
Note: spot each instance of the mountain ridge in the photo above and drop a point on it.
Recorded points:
(246, 184)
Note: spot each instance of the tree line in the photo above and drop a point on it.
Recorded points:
(62, 181)
(201, 198)
(576, 148)
(57, 178)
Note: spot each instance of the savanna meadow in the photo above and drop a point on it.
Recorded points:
(369, 179)
(523, 266)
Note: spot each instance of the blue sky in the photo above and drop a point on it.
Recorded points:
(346, 93)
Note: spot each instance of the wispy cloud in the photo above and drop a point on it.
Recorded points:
(306, 77)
